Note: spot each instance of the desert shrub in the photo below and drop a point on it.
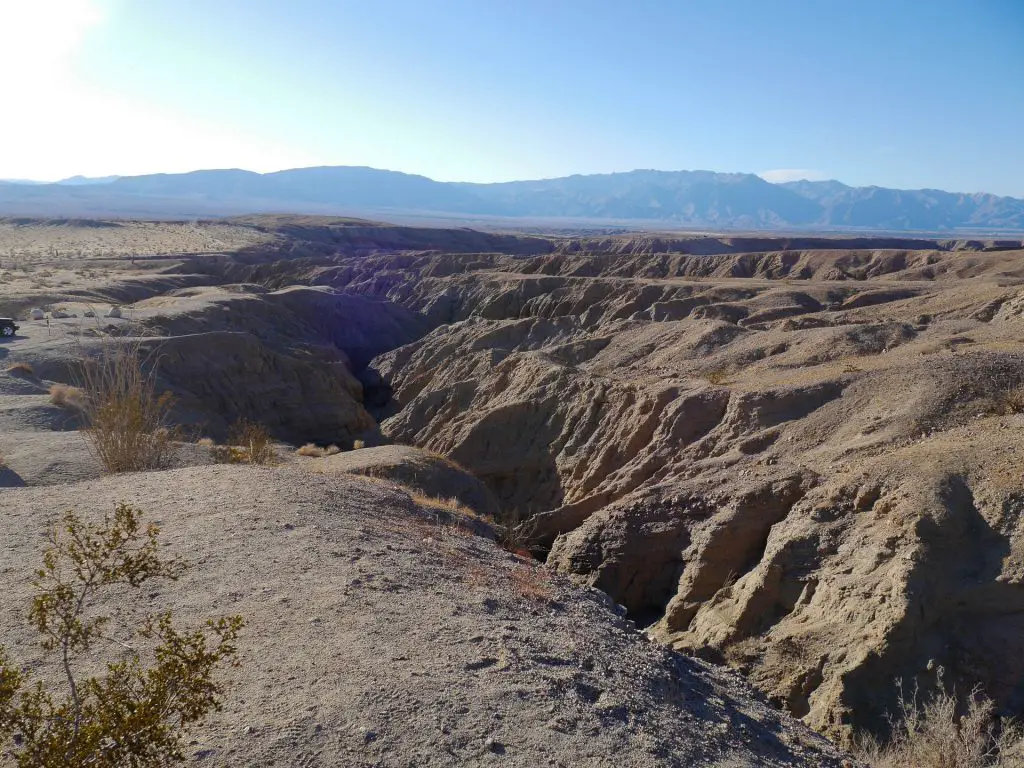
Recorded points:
(206, 442)
(248, 443)
(21, 368)
(358, 445)
(718, 376)
(331, 450)
(310, 449)
(67, 396)
(939, 733)
(517, 533)
(127, 421)
(136, 712)
(1008, 402)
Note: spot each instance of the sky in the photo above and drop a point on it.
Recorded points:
(896, 93)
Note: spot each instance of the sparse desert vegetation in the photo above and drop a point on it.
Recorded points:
(128, 424)
(646, 391)
(67, 396)
(248, 443)
(944, 731)
(21, 368)
(312, 450)
(717, 376)
(137, 710)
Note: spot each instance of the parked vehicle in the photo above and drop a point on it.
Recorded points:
(7, 326)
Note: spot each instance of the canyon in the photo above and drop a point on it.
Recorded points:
(796, 457)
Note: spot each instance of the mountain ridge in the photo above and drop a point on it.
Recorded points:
(684, 199)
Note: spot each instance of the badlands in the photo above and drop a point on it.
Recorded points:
(759, 480)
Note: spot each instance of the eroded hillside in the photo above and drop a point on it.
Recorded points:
(796, 457)
(804, 463)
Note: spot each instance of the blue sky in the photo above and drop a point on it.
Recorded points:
(903, 93)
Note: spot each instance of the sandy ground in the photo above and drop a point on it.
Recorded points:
(377, 638)
(28, 242)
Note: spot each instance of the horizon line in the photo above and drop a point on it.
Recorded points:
(101, 180)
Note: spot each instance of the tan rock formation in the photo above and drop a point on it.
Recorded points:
(814, 480)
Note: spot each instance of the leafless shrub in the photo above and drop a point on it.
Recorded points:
(331, 450)
(939, 733)
(310, 449)
(128, 421)
(517, 533)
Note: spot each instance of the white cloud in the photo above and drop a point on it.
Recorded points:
(56, 125)
(780, 175)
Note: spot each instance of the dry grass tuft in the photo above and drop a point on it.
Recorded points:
(450, 506)
(128, 427)
(206, 442)
(1008, 403)
(21, 369)
(67, 396)
(446, 460)
(358, 445)
(532, 582)
(248, 443)
(315, 451)
(938, 733)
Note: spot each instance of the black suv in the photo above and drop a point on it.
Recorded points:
(7, 327)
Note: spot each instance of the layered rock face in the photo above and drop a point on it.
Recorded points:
(805, 464)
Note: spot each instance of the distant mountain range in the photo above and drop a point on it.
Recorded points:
(686, 199)
(72, 182)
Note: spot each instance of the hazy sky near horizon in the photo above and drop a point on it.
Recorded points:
(899, 93)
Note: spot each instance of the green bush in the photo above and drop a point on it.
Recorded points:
(136, 712)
